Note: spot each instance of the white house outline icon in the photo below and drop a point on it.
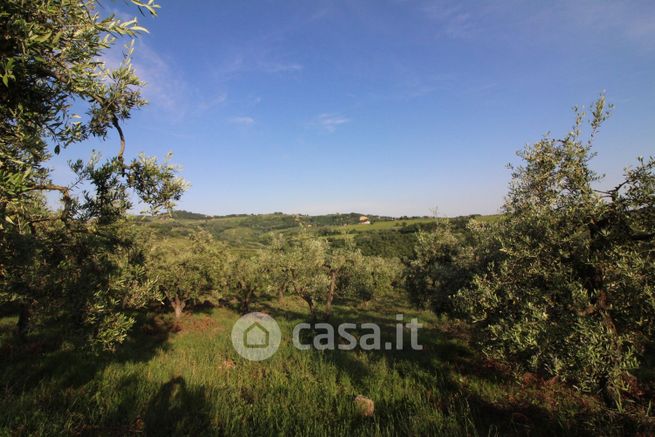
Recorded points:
(256, 340)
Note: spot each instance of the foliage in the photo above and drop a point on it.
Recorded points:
(50, 63)
(304, 272)
(573, 295)
(371, 278)
(342, 266)
(248, 279)
(445, 260)
(190, 272)
(388, 243)
(351, 218)
(188, 215)
(312, 269)
(278, 259)
(84, 282)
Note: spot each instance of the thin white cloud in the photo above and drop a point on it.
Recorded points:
(417, 85)
(452, 19)
(253, 59)
(280, 67)
(165, 88)
(633, 21)
(241, 121)
(208, 103)
(330, 122)
(538, 22)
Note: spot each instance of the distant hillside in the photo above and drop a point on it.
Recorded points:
(182, 214)
(385, 236)
(351, 218)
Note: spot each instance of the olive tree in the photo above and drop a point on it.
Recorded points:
(305, 274)
(573, 294)
(318, 273)
(248, 279)
(445, 261)
(276, 262)
(340, 265)
(56, 92)
(185, 273)
(372, 278)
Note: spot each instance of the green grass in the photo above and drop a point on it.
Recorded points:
(192, 382)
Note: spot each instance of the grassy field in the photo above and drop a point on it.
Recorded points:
(192, 382)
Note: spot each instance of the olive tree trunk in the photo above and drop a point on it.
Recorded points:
(23, 325)
(330, 296)
(178, 306)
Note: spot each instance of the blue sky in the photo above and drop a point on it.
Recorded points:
(387, 107)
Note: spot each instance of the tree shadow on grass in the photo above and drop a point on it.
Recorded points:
(286, 314)
(441, 353)
(523, 418)
(45, 359)
(69, 377)
(177, 409)
(448, 367)
(173, 409)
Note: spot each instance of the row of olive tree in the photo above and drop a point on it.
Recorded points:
(311, 269)
(564, 283)
(305, 267)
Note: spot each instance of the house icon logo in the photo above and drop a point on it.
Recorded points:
(256, 336)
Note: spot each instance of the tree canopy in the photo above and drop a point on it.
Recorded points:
(573, 293)
(57, 91)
